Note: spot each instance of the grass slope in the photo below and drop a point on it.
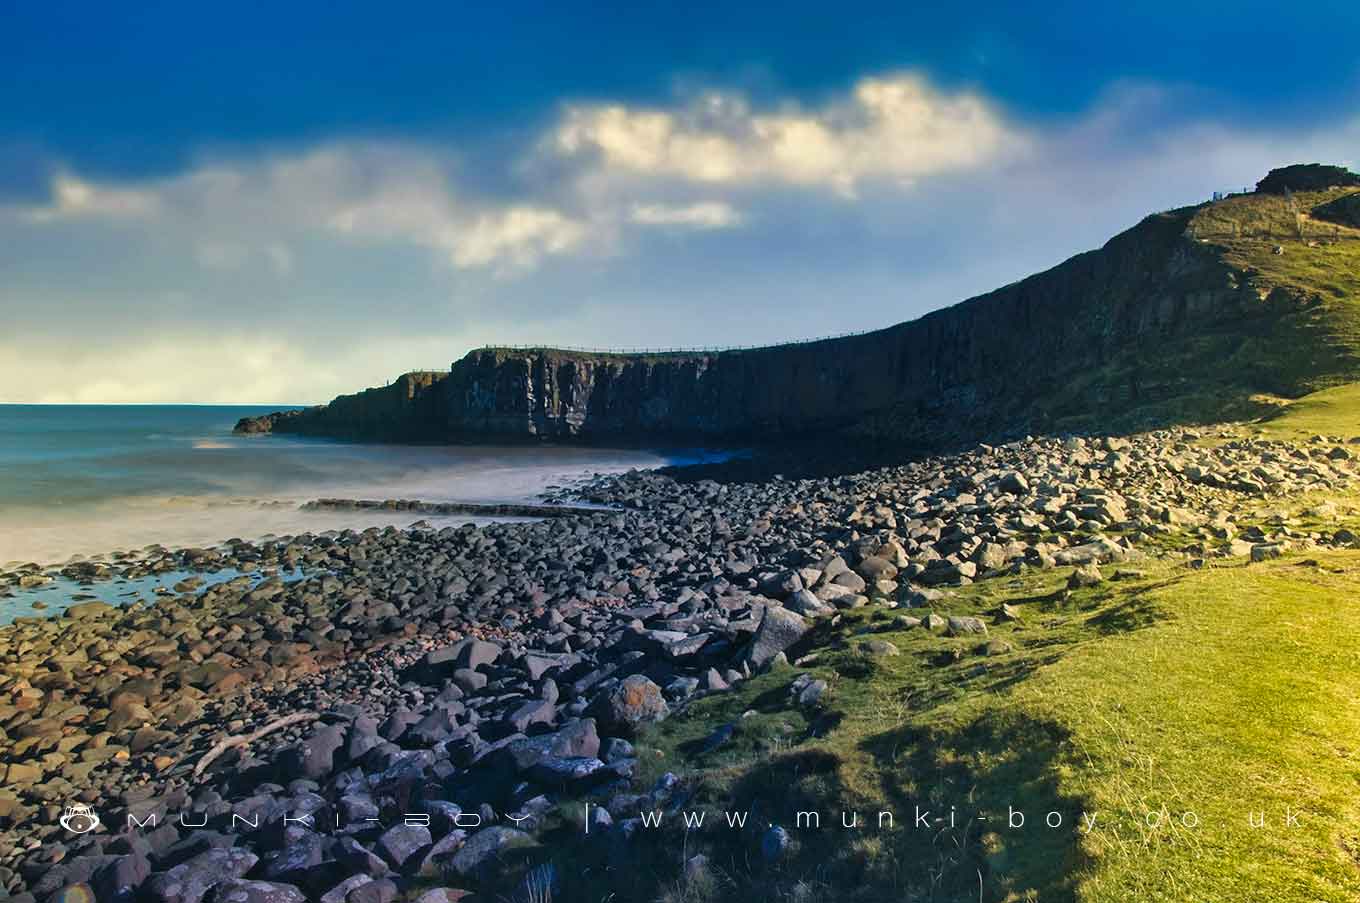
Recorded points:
(1172, 709)
(1331, 412)
(1240, 369)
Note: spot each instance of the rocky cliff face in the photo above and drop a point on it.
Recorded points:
(995, 362)
(409, 409)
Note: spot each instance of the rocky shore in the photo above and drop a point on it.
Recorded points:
(420, 702)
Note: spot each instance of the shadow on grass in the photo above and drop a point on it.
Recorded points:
(982, 768)
(980, 774)
(736, 816)
(1137, 611)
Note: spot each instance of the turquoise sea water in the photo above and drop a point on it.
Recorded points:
(79, 480)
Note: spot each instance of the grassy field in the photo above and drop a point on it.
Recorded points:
(1331, 412)
(1159, 717)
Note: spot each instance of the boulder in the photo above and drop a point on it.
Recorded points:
(314, 758)
(1085, 575)
(778, 630)
(190, 881)
(86, 610)
(878, 647)
(481, 851)
(962, 626)
(238, 890)
(874, 568)
(634, 701)
(401, 844)
(807, 604)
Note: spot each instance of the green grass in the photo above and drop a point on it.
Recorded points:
(1222, 692)
(1331, 412)
(1306, 339)
(1225, 692)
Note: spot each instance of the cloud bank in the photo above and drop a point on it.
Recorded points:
(293, 274)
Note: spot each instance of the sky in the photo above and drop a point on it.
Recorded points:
(277, 203)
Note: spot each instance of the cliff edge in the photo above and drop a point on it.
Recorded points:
(1195, 314)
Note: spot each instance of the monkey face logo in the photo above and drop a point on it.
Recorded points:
(79, 819)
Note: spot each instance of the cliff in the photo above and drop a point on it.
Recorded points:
(1190, 315)
(409, 409)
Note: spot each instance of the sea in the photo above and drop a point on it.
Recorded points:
(85, 480)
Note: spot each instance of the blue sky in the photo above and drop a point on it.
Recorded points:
(255, 203)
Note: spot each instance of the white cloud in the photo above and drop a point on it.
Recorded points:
(467, 236)
(701, 215)
(365, 191)
(74, 198)
(520, 235)
(252, 366)
(897, 128)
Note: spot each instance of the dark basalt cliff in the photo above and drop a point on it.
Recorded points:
(1108, 331)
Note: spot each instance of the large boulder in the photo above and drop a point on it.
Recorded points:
(807, 604)
(87, 610)
(482, 850)
(634, 701)
(315, 757)
(238, 890)
(778, 630)
(875, 568)
(189, 882)
(399, 844)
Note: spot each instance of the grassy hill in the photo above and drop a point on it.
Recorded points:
(1306, 272)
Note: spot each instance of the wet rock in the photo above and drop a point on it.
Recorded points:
(88, 610)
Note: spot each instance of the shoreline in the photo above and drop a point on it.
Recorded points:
(508, 667)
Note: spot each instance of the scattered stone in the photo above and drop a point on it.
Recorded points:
(239, 890)
(483, 849)
(878, 647)
(964, 626)
(1085, 575)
